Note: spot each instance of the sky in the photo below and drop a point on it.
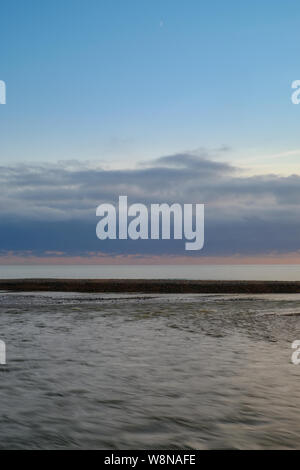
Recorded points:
(106, 96)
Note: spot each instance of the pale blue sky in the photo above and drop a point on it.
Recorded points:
(125, 80)
(119, 82)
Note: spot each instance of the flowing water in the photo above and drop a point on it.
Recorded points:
(149, 372)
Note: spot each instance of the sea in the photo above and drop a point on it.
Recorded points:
(134, 371)
(192, 272)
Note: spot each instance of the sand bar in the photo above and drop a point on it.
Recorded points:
(150, 286)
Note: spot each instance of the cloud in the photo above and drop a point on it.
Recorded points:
(48, 207)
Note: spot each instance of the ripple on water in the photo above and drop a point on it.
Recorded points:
(113, 372)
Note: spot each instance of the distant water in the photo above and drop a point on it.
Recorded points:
(149, 372)
(213, 272)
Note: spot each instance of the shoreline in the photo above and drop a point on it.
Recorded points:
(151, 286)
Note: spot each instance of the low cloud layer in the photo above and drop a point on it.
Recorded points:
(52, 207)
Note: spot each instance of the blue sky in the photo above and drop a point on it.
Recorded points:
(123, 81)
(97, 89)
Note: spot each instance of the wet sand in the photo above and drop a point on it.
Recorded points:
(150, 286)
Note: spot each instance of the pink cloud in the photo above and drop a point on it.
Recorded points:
(98, 258)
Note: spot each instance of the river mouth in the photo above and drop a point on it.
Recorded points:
(131, 371)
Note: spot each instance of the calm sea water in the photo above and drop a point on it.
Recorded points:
(149, 372)
(213, 272)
